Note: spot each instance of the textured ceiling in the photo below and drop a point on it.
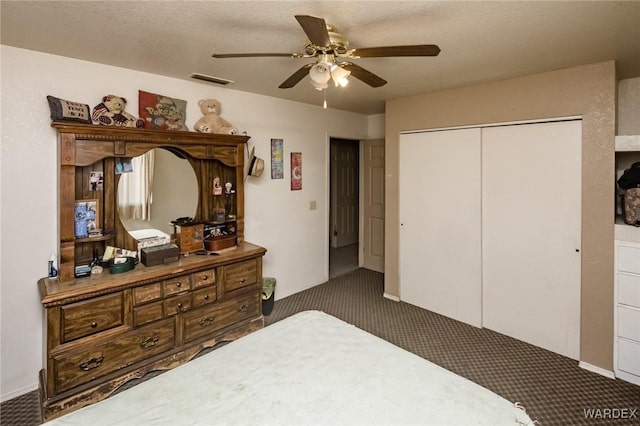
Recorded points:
(481, 41)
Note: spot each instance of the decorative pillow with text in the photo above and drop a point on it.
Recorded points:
(62, 110)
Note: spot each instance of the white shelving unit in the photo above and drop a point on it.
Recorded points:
(628, 143)
(627, 277)
(627, 311)
(627, 153)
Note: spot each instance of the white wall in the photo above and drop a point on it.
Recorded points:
(629, 106)
(276, 218)
(376, 126)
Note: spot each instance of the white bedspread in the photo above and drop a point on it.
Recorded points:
(309, 369)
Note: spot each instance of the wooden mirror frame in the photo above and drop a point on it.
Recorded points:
(84, 147)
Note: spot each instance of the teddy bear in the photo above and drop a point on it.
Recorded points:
(111, 113)
(211, 121)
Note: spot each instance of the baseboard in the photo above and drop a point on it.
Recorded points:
(281, 295)
(18, 392)
(627, 377)
(597, 370)
(391, 297)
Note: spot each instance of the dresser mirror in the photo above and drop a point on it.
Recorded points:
(162, 187)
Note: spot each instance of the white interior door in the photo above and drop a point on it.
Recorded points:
(531, 210)
(440, 258)
(373, 190)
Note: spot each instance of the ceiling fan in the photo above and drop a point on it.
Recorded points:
(332, 54)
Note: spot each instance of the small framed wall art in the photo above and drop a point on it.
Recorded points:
(296, 171)
(277, 159)
(162, 112)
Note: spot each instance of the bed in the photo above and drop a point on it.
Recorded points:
(308, 369)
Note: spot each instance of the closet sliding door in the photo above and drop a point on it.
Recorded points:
(440, 217)
(531, 222)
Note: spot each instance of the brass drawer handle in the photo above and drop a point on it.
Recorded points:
(178, 284)
(242, 280)
(206, 297)
(149, 341)
(243, 308)
(94, 324)
(204, 322)
(92, 363)
(181, 308)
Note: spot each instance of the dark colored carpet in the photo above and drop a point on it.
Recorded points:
(552, 388)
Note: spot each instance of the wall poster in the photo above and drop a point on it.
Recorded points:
(296, 171)
(277, 159)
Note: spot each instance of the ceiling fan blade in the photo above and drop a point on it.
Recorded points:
(255, 55)
(380, 52)
(316, 29)
(362, 74)
(296, 77)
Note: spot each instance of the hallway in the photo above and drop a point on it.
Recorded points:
(342, 260)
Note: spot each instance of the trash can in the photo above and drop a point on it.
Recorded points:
(268, 295)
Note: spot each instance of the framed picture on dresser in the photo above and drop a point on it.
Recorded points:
(86, 217)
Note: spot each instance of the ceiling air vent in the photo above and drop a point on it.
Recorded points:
(211, 79)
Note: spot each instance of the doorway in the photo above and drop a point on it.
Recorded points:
(344, 212)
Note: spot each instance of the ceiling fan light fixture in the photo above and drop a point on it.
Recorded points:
(319, 86)
(320, 73)
(340, 75)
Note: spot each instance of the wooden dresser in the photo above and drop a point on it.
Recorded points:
(106, 329)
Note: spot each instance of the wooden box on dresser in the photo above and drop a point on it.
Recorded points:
(106, 329)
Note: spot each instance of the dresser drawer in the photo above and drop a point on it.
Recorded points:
(147, 313)
(207, 319)
(147, 293)
(204, 295)
(629, 356)
(240, 275)
(177, 285)
(80, 367)
(178, 304)
(629, 290)
(203, 278)
(91, 316)
(629, 259)
(629, 323)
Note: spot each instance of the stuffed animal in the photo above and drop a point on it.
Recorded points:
(111, 113)
(211, 122)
